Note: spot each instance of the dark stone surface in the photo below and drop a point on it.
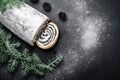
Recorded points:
(89, 41)
(34, 1)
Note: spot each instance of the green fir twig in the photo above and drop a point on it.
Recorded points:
(10, 3)
(9, 53)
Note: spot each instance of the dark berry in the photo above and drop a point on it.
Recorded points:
(34, 1)
(47, 7)
(62, 16)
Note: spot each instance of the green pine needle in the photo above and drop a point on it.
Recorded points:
(12, 64)
(9, 4)
(9, 53)
(52, 64)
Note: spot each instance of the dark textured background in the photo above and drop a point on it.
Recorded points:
(89, 41)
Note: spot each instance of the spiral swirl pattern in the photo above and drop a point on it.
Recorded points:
(48, 35)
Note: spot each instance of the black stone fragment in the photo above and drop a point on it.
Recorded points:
(47, 7)
(62, 16)
(34, 1)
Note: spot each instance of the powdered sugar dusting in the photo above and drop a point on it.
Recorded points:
(91, 33)
(80, 34)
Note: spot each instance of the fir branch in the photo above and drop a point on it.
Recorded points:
(12, 64)
(10, 3)
(3, 49)
(9, 53)
(52, 64)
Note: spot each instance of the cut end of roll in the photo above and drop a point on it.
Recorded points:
(48, 37)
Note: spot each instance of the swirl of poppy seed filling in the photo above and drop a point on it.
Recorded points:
(48, 35)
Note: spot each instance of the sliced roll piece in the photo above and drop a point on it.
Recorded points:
(49, 36)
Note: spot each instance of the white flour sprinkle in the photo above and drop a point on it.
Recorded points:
(91, 33)
(84, 32)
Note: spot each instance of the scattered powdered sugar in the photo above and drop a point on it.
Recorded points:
(80, 34)
(91, 33)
